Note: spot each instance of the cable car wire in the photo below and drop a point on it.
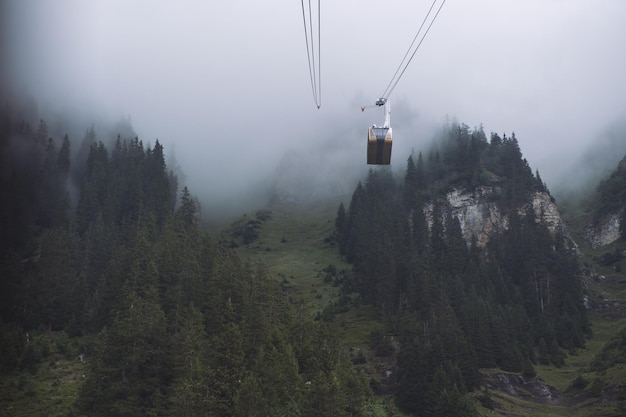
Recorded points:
(319, 54)
(408, 51)
(314, 73)
(396, 78)
(314, 77)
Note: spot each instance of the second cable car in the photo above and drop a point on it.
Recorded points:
(379, 138)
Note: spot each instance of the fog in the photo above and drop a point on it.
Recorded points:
(225, 85)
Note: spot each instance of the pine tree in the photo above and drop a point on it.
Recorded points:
(189, 397)
(277, 370)
(340, 228)
(410, 184)
(131, 366)
(188, 211)
(226, 360)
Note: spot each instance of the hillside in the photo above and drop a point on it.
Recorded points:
(453, 288)
(504, 258)
(573, 389)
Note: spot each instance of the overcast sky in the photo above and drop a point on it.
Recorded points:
(227, 85)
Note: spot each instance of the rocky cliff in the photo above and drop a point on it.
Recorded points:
(480, 216)
(605, 231)
(477, 212)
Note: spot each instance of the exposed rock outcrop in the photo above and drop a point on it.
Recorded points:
(605, 231)
(478, 213)
(546, 211)
(480, 216)
(530, 388)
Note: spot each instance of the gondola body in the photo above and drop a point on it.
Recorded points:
(379, 142)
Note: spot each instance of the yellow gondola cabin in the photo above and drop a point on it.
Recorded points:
(379, 138)
(379, 145)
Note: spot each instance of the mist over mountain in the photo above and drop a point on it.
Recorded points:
(319, 162)
(232, 105)
(596, 162)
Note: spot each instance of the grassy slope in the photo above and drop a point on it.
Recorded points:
(294, 245)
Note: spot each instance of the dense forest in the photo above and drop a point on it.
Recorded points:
(454, 305)
(104, 255)
(101, 251)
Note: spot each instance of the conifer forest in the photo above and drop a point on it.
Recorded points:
(106, 265)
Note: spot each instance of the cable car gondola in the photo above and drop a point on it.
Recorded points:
(379, 138)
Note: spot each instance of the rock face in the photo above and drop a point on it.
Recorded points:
(604, 232)
(477, 212)
(481, 218)
(546, 211)
(530, 388)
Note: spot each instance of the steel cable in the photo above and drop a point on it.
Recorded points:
(314, 75)
(392, 84)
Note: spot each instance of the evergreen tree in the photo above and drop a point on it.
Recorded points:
(188, 211)
(277, 372)
(340, 225)
(410, 184)
(131, 366)
(226, 359)
(189, 397)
